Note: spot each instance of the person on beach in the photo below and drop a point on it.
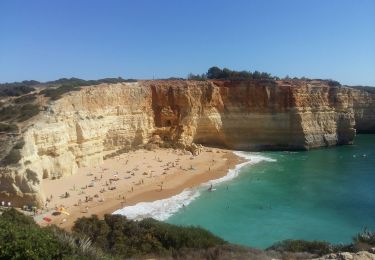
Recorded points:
(161, 186)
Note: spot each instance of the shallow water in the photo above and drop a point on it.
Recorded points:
(324, 194)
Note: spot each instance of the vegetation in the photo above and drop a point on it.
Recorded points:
(122, 237)
(365, 88)
(18, 113)
(217, 73)
(227, 74)
(9, 128)
(25, 99)
(19, 144)
(314, 247)
(17, 88)
(116, 237)
(56, 93)
(22, 238)
(364, 240)
(27, 111)
(73, 84)
(13, 157)
(111, 238)
(333, 83)
(8, 112)
(200, 77)
(81, 82)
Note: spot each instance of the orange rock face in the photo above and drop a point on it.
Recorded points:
(253, 115)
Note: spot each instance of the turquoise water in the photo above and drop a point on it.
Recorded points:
(324, 194)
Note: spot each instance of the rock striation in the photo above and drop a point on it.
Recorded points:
(84, 126)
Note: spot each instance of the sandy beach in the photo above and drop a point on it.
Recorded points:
(130, 178)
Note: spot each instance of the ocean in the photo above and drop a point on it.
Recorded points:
(324, 194)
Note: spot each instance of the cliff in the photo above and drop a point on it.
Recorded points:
(83, 126)
(364, 109)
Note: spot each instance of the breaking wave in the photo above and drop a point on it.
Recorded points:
(163, 209)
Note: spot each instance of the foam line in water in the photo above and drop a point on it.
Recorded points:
(159, 209)
(251, 158)
(163, 209)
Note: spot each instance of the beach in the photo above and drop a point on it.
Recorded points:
(130, 178)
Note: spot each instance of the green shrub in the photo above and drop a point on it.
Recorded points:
(176, 237)
(28, 111)
(363, 240)
(217, 73)
(13, 157)
(333, 83)
(12, 215)
(97, 230)
(9, 113)
(21, 238)
(73, 84)
(8, 128)
(19, 112)
(119, 236)
(56, 93)
(25, 99)
(19, 144)
(366, 236)
(313, 247)
(14, 90)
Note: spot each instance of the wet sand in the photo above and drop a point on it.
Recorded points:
(130, 178)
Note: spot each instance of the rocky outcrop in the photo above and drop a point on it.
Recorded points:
(83, 126)
(362, 255)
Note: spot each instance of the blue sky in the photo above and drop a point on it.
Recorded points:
(46, 40)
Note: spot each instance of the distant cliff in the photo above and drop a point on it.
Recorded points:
(364, 109)
(83, 126)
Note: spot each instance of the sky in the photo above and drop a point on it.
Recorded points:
(144, 39)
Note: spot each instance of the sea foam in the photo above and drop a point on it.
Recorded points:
(159, 209)
(163, 209)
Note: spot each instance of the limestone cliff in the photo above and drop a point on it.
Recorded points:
(364, 109)
(253, 115)
(80, 128)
